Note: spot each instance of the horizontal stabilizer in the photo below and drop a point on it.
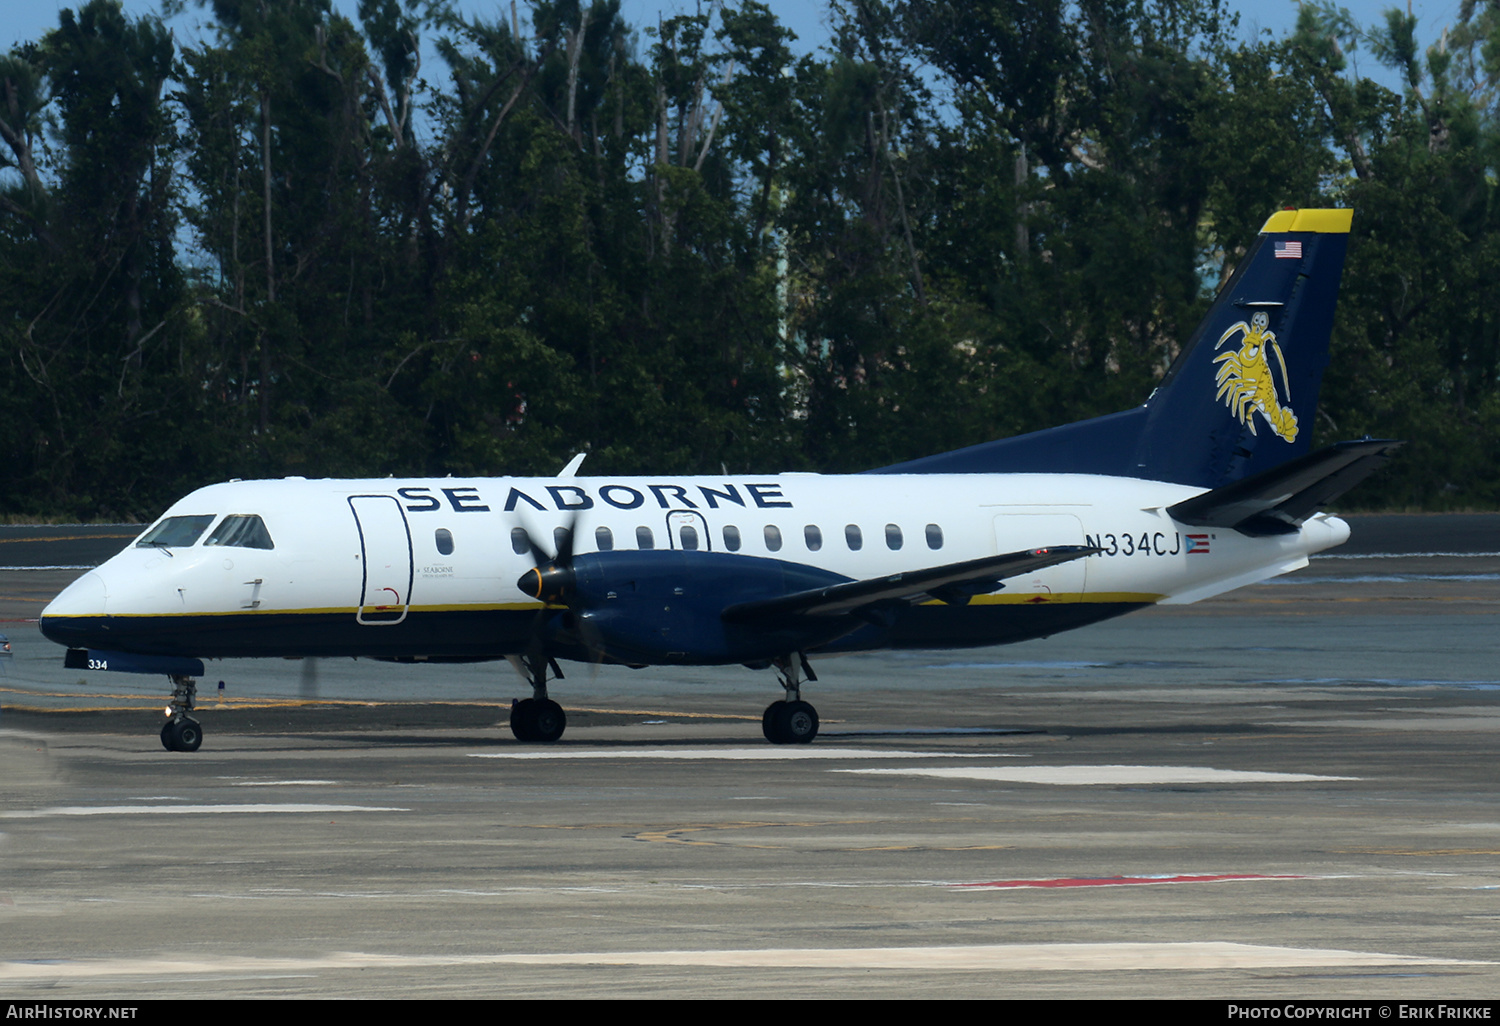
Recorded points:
(941, 581)
(1277, 501)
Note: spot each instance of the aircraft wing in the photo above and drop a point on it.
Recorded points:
(952, 583)
(1278, 500)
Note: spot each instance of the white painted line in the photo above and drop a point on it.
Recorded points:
(57, 567)
(1408, 555)
(763, 753)
(180, 810)
(1074, 775)
(281, 783)
(986, 957)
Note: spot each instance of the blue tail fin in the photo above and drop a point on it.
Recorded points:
(1239, 400)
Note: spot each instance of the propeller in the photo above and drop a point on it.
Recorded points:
(551, 579)
(553, 582)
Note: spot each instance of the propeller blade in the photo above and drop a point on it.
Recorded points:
(539, 556)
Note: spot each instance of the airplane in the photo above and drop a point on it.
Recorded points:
(1207, 486)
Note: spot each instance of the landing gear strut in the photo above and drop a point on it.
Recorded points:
(791, 721)
(538, 718)
(181, 733)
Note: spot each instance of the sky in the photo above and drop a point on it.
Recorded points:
(28, 20)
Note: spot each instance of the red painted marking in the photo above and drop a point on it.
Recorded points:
(1119, 881)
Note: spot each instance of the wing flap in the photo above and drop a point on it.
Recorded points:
(946, 582)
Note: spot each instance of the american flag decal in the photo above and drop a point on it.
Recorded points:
(1288, 251)
(1197, 544)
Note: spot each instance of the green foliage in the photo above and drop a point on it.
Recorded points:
(685, 248)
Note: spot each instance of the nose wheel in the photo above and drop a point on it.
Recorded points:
(181, 733)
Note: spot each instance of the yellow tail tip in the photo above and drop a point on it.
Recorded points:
(1332, 222)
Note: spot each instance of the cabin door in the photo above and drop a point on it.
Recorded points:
(385, 559)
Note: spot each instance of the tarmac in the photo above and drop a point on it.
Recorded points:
(1286, 792)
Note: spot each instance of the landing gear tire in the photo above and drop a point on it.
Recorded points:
(768, 721)
(181, 735)
(537, 720)
(520, 719)
(548, 721)
(790, 723)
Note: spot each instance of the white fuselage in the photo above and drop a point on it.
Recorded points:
(368, 556)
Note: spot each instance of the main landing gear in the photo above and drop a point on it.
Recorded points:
(181, 733)
(791, 721)
(538, 718)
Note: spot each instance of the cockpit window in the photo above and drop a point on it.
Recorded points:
(244, 531)
(175, 532)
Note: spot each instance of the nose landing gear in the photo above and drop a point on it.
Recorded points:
(181, 733)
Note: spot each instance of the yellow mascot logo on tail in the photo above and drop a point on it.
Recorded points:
(1245, 382)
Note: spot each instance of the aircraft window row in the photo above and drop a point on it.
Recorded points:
(240, 530)
(689, 540)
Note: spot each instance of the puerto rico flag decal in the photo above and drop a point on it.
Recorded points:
(1197, 544)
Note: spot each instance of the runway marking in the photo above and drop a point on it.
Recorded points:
(1419, 852)
(58, 566)
(1119, 956)
(759, 752)
(930, 732)
(1406, 555)
(1080, 775)
(180, 810)
(1119, 881)
(64, 537)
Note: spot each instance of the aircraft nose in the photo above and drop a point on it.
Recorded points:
(66, 616)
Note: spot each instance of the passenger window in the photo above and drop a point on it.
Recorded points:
(643, 539)
(813, 537)
(444, 539)
(852, 536)
(773, 538)
(689, 536)
(243, 532)
(519, 543)
(604, 539)
(560, 538)
(731, 538)
(175, 532)
(892, 536)
(934, 536)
